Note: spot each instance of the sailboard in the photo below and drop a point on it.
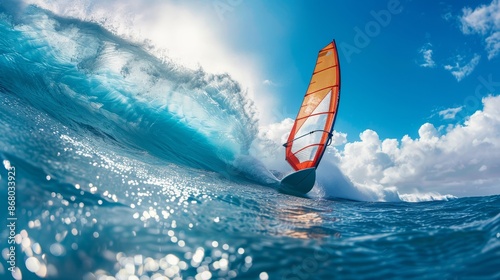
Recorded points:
(312, 130)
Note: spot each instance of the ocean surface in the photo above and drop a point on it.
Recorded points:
(122, 165)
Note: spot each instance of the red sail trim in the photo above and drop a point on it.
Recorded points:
(324, 69)
(318, 90)
(317, 114)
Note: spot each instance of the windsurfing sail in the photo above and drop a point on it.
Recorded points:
(312, 131)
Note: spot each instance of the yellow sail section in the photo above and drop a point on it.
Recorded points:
(311, 132)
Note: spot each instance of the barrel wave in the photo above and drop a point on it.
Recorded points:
(89, 79)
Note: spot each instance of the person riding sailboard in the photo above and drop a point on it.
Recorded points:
(312, 130)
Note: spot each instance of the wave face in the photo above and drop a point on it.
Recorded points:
(86, 78)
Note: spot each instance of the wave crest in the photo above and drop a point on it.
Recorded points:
(90, 79)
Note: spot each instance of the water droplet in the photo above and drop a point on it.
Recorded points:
(172, 259)
(205, 275)
(32, 264)
(6, 164)
(57, 250)
(181, 243)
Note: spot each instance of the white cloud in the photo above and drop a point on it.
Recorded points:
(464, 160)
(447, 16)
(493, 44)
(268, 82)
(461, 71)
(426, 52)
(450, 113)
(448, 163)
(484, 20)
(339, 138)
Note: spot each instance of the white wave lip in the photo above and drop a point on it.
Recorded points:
(182, 32)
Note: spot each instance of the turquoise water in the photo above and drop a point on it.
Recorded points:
(128, 167)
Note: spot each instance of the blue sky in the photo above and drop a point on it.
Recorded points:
(384, 85)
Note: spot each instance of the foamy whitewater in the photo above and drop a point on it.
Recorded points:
(126, 162)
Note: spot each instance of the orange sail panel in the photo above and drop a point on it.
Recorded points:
(312, 130)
